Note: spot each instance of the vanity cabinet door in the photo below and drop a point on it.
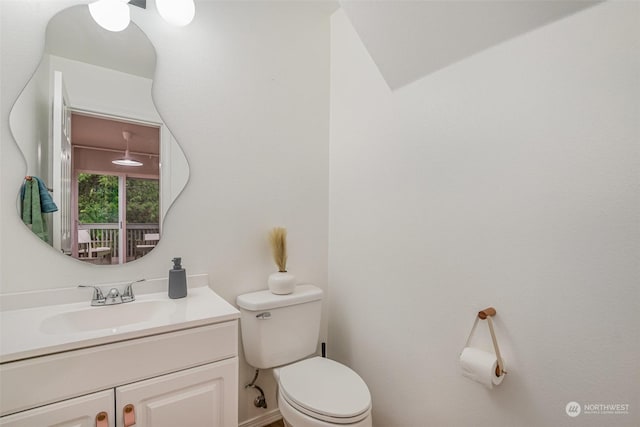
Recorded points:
(205, 396)
(78, 412)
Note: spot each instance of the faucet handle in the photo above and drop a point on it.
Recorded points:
(127, 295)
(98, 297)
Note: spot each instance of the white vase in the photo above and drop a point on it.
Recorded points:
(281, 283)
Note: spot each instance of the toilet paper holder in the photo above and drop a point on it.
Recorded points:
(487, 314)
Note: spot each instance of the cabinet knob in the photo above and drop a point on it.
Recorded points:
(129, 412)
(102, 420)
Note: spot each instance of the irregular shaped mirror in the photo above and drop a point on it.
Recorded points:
(102, 167)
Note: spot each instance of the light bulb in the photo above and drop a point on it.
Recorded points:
(176, 12)
(112, 15)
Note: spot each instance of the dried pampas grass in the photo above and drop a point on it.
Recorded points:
(278, 240)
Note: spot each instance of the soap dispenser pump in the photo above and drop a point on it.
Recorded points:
(177, 280)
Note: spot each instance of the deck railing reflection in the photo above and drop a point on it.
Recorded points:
(107, 234)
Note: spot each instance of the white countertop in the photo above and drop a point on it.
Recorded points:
(31, 332)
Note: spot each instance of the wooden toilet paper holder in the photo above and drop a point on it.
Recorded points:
(487, 314)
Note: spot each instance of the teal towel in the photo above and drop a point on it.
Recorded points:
(25, 196)
(47, 205)
(32, 211)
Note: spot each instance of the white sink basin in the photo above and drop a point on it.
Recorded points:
(107, 317)
(35, 331)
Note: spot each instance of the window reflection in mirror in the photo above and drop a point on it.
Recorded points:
(99, 216)
(117, 205)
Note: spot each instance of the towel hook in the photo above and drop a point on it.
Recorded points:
(30, 178)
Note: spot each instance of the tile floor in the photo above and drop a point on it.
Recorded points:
(276, 424)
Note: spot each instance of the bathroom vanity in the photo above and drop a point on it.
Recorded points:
(152, 362)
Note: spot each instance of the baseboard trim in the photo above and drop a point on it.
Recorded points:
(262, 420)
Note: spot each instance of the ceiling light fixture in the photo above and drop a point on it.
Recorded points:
(114, 15)
(177, 12)
(127, 160)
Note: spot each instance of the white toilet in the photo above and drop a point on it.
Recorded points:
(280, 330)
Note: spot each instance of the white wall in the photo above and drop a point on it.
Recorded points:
(33, 106)
(104, 90)
(244, 89)
(410, 39)
(507, 179)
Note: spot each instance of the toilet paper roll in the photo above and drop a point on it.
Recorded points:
(480, 366)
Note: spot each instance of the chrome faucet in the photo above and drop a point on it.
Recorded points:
(98, 297)
(113, 296)
(127, 295)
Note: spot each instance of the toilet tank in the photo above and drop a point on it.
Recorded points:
(280, 329)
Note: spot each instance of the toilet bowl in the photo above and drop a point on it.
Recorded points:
(281, 332)
(320, 392)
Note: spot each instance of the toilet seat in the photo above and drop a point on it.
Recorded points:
(325, 390)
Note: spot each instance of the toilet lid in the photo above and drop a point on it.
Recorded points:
(325, 388)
